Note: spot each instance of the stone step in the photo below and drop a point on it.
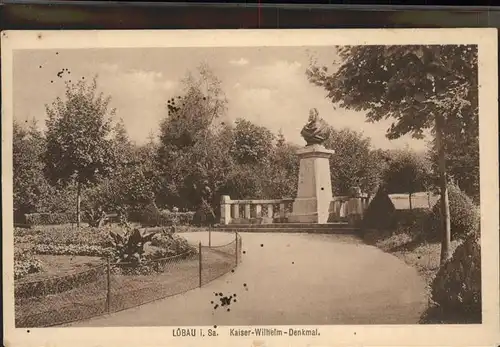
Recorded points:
(285, 226)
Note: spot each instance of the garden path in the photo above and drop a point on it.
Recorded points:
(292, 279)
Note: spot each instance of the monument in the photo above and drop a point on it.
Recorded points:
(314, 193)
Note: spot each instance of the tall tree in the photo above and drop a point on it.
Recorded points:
(79, 145)
(186, 153)
(251, 143)
(30, 186)
(354, 163)
(420, 87)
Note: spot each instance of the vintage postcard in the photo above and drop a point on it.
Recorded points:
(250, 188)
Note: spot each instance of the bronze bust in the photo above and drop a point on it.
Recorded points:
(315, 132)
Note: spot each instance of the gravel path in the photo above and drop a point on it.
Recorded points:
(292, 279)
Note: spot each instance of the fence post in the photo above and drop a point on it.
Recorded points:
(108, 289)
(210, 237)
(236, 247)
(199, 260)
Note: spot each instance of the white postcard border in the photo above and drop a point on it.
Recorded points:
(486, 334)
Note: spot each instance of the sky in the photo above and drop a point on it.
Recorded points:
(265, 85)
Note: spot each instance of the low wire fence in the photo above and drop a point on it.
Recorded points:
(113, 287)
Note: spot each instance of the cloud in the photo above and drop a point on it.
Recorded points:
(278, 95)
(139, 96)
(239, 62)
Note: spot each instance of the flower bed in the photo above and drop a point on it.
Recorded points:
(25, 263)
(63, 235)
(87, 250)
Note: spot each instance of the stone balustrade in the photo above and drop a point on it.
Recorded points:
(342, 209)
(254, 211)
(348, 208)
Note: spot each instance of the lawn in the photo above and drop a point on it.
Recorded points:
(422, 255)
(62, 265)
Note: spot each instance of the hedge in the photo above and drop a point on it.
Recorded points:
(159, 218)
(49, 218)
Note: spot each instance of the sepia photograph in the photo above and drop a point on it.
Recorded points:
(260, 189)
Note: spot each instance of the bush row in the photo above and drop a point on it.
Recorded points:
(49, 218)
(464, 216)
(161, 218)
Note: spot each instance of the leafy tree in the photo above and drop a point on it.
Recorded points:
(406, 172)
(461, 143)
(251, 143)
(30, 186)
(420, 87)
(354, 163)
(122, 146)
(283, 174)
(189, 152)
(79, 147)
(280, 140)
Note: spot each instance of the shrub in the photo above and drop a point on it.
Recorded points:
(49, 218)
(380, 213)
(456, 289)
(171, 245)
(164, 249)
(25, 263)
(464, 215)
(129, 246)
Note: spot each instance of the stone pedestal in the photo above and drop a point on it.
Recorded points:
(314, 193)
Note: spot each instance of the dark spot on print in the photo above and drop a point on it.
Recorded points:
(215, 326)
(293, 262)
(262, 245)
(244, 252)
(228, 309)
(28, 331)
(232, 270)
(57, 53)
(322, 188)
(215, 307)
(40, 67)
(244, 284)
(51, 81)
